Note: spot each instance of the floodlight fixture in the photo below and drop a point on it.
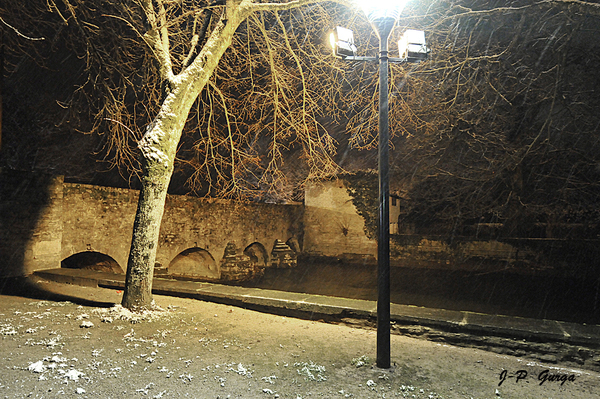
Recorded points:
(342, 42)
(412, 46)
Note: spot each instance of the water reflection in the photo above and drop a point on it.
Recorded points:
(501, 292)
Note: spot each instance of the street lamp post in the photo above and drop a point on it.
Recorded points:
(383, 18)
(383, 28)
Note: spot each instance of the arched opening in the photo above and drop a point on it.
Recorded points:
(91, 260)
(194, 262)
(257, 253)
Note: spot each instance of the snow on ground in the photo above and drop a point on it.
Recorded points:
(195, 349)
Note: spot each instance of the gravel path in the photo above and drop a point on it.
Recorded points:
(60, 349)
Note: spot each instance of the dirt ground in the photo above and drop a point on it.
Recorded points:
(89, 348)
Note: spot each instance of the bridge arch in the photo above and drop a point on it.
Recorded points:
(92, 260)
(257, 253)
(195, 262)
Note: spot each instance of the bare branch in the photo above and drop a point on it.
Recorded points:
(19, 33)
(158, 35)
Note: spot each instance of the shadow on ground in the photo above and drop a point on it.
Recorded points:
(30, 287)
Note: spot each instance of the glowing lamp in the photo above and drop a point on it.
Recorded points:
(342, 42)
(382, 9)
(412, 45)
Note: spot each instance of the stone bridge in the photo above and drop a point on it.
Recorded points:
(46, 223)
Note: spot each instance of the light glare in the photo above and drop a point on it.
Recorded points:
(376, 9)
(412, 45)
(342, 42)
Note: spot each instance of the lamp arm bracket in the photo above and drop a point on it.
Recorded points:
(358, 58)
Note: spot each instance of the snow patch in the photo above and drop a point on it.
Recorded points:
(118, 312)
(37, 367)
(7, 329)
(311, 371)
(270, 379)
(361, 361)
(72, 374)
(86, 324)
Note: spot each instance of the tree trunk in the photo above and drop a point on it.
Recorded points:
(158, 147)
(146, 228)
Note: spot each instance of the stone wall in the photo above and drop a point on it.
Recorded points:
(334, 229)
(101, 219)
(98, 219)
(461, 253)
(332, 226)
(212, 224)
(44, 221)
(30, 222)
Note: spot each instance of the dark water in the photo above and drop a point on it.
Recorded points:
(539, 296)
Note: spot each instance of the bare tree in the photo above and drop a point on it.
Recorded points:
(160, 59)
(486, 128)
